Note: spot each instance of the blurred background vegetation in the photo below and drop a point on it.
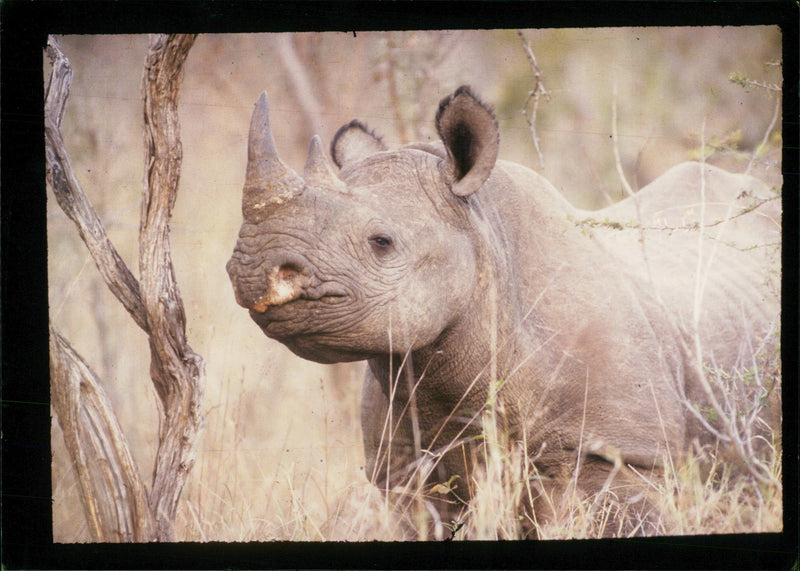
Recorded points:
(281, 454)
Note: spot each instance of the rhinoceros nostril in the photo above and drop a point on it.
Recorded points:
(288, 271)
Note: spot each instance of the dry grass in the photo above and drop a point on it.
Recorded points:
(281, 456)
(239, 494)
(704, 495)
(707, 491)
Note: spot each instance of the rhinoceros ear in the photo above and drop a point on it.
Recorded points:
(354, 142)
(469, 132)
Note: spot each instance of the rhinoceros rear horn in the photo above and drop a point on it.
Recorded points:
(268, 181)
(470, 135)
(318, 171)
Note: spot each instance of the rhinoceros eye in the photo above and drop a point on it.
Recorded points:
(381, 243)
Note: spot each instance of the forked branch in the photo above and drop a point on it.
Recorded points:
(71, 197)
(112, 495)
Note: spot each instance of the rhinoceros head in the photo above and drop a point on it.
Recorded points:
(377, 259)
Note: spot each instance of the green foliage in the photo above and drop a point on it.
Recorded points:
(744, 81)
(591, 222)
(728, 143)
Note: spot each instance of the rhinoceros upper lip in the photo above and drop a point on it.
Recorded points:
(292, 318)
(288, 310)
(326, 293)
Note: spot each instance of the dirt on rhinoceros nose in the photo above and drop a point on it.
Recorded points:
(285, 283)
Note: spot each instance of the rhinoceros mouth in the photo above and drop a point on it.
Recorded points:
(307, 327)
(300, 316)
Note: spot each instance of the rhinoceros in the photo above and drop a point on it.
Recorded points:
(464, 280)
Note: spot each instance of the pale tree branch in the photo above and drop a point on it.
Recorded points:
(113, 496)
(300, 82)
(71, 197)
(394, 91)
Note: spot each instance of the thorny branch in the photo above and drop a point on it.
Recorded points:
(740, 79)
(615, 225)
(727, 415)
(535, 94)
(730, 430)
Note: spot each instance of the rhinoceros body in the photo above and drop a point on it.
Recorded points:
(461, 278)
(707, 242)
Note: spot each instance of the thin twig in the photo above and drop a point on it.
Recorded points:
(767, 133)
(535, 94)
(739, 79)
(627, 186)
(615, 141)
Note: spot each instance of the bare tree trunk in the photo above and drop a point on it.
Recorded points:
(178, 373)
(94, 439)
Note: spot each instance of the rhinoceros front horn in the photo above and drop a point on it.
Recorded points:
(268, 182)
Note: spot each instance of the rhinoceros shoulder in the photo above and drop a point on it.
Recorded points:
(528, 186)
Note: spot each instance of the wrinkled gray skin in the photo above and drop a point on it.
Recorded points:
(447, 269)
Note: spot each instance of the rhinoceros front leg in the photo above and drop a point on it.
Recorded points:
(374, 427)
(395, 465)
